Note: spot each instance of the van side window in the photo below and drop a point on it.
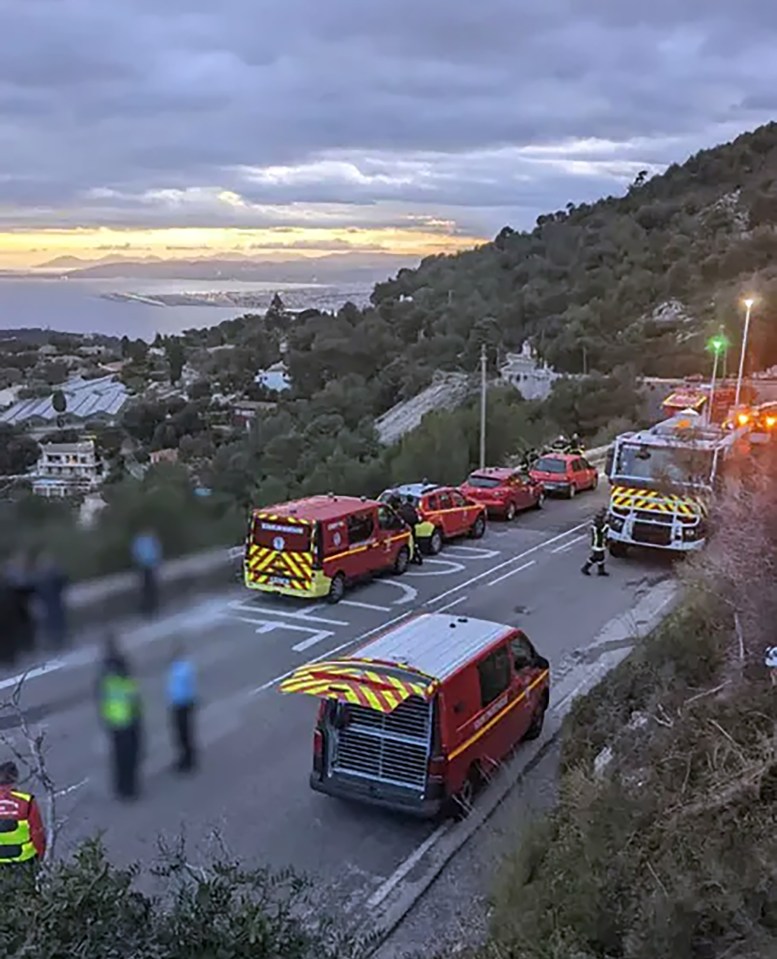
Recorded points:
(445, 501)
(495, 675)
(522, 652)
(388, 519)
(359, 528)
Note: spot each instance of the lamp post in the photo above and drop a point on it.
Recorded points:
(717, 344)
(483, 399)
(748, 307)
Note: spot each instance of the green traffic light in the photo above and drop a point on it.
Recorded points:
(718, 343)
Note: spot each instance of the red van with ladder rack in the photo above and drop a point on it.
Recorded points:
(315, 547)
(418, 718)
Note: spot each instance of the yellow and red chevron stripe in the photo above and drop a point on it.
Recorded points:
(355, 684)
(262, 560)
(626, 497)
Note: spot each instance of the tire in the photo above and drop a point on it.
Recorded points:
(435, 542)
(510, 512)
(537, 722)
(461, 804)
(478, 527)
(595, 482)
(402, 561)
(540, 502)
(336, 589)
(618, 550)
(572, 491)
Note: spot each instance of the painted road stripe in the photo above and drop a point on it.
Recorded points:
(285, 614)
(512, 572)
(404, 867)
(513, 559)
(451, 568)
(565, 546)
(378, 609)
(451, 605)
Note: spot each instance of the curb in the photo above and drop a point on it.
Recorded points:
(392, 915)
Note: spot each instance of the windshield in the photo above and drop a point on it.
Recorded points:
(684, 466)
(549, 464)
(483, 482)
(280, 536)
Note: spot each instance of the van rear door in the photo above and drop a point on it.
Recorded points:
(279, 552)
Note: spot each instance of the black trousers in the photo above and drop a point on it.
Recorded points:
(182, 722)
(597, 558)
(126, 758)
(149, 601)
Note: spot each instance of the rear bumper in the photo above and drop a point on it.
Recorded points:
(317, 588)
(374, 794)
(674, 546)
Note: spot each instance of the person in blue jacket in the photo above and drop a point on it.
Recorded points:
(182, 704)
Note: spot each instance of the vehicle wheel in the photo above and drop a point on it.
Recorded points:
(435, 542)
(402, 561)
(595, 482)
(462, 803)
(572, 491)
(537, 722)
(510, 512)
(336, 589)
(618, 550)
(478, 527)
(540, 502)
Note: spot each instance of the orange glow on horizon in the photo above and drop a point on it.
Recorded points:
(25, 249)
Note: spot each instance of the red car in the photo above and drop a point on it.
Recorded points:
(503, 491)
(564, 473)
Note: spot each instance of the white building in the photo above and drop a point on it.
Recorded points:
(522, 371)
(274, 378)
(67, 468)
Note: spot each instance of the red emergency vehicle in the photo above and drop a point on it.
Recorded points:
(420, 716)
(317, 546)
(444, 513)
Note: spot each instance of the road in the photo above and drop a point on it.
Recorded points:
(257, 742)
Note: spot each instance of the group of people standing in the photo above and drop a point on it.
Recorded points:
(32, 606)
(121, 713)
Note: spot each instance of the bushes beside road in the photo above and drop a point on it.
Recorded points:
(663, 842)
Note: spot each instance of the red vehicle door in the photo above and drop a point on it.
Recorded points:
(363, 545)
(578, 474)
(468, 512)
(520, 491)
(389, 530)
(501, 721)
(450, 515)
(526, 672)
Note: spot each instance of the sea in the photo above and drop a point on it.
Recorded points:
(78, 305)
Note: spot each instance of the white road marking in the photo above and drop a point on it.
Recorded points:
(285, 614)
(378, 609)
(409, 593)
(507, 562)
(476, 552)
(451, 605)
(331, 652)
(315, 638)
(405, 867)
(569, 545)
(512, 572)
(268, 626)
(452, 568)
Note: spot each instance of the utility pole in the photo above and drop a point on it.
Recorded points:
(748, 307)
(483, 393)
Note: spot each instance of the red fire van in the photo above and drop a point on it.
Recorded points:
(417, 718)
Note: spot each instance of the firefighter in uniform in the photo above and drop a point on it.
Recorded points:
(22, 836)
(119, 703)
(599, 531)
(408, 513)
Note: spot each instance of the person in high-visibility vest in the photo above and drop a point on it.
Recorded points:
(599, 532)
(22, 835)
(120, 712)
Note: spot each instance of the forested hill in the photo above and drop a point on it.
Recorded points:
(584, 285)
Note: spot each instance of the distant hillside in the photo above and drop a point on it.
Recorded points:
(640, 279)
(332, 268)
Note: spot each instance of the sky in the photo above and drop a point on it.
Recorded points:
(280, 128)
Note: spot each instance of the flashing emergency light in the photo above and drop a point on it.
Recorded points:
(743, 419)
(770, 421)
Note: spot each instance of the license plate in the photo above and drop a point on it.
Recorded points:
(278, 581)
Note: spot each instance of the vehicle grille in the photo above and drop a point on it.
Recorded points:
(390, 748)
(656, 535)
(653, 516)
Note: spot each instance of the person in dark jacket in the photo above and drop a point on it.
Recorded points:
(18, 589)
(599, 531)
(409, 515)
(120, 712)
(50, 585)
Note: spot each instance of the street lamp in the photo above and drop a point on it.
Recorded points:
(748, 307)
(717, 344)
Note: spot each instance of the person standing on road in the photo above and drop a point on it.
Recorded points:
(120, 712)
(182, 702)
(50, 585)
(599, 531)
(147, 556)
(408, 513)
(22, 834)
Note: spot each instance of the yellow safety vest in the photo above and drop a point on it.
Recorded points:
(119, 701)
(15, 839)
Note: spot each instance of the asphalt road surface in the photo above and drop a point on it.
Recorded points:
(256, 742)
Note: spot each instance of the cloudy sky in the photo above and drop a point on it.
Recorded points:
(180, 127)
